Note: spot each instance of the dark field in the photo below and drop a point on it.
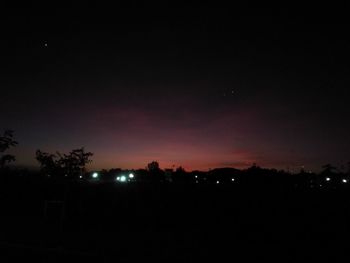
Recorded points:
(171, 222)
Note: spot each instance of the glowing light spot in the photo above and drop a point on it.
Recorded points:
(131, 175)
(233, 179)
(80, 176)
(123, 178)
(217, 182)
(344, 181)
(94, 175)
(196, 176)
(328, 179)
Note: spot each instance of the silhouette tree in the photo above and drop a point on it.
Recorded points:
(153, 166)
(72, 164)
(180, 169)
(6, 142)
(48, 163)
(180, 175)
(157, 175)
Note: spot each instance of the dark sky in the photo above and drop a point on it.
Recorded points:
(200, 86)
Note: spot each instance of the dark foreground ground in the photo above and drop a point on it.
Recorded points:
(171, 223)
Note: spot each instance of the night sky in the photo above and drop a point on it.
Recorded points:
(200, 86)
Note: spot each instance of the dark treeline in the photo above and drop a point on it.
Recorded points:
(72, 166)
(64, 212)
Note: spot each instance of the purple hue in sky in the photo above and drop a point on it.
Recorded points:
(201, 88)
